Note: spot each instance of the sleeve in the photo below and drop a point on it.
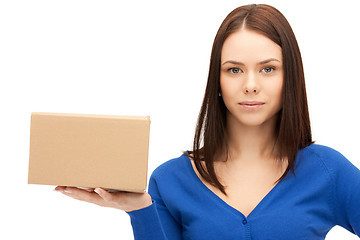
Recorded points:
(155, 221)
(346, 187)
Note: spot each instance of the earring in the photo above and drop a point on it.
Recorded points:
(220, 94)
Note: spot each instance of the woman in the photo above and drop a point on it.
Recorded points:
(254, 172)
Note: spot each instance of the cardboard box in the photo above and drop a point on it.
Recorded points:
(89, 151)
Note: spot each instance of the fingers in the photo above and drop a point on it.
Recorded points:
(59, 188)
(104, 194)
(62, 188)
(80, 194)
(126, 201)
(87, 189)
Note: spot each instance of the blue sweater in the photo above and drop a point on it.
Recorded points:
(324, 192)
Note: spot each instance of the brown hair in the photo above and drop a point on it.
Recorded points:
(293, 130)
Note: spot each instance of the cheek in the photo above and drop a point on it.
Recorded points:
(228, 86)
(230, 94)
(275, 91)
(222, 84)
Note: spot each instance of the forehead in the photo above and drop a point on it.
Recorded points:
(248, 46)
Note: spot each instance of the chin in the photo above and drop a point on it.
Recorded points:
(251, 122)
(254, 121)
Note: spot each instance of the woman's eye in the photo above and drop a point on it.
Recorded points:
(268, 69)
(235, 70)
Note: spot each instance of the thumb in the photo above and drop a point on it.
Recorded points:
(103, 194)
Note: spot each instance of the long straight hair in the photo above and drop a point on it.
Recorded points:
(293, 130)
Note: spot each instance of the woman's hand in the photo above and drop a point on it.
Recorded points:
(126, 201)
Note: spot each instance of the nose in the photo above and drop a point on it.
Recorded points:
(247, 91)
(251, 85)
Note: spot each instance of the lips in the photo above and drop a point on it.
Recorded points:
(251, 105)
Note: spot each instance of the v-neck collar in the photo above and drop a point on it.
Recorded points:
(224, 204)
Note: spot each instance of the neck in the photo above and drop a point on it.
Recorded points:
(250, 143)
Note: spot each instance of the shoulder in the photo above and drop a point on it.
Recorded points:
(172, 180)
(322, 152)
(173, 168)
(325, 154)
(333, 161)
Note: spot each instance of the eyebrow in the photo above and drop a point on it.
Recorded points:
(259, 63)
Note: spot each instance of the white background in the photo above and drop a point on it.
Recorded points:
(145, 58)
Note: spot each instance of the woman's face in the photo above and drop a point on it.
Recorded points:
(251, 77)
